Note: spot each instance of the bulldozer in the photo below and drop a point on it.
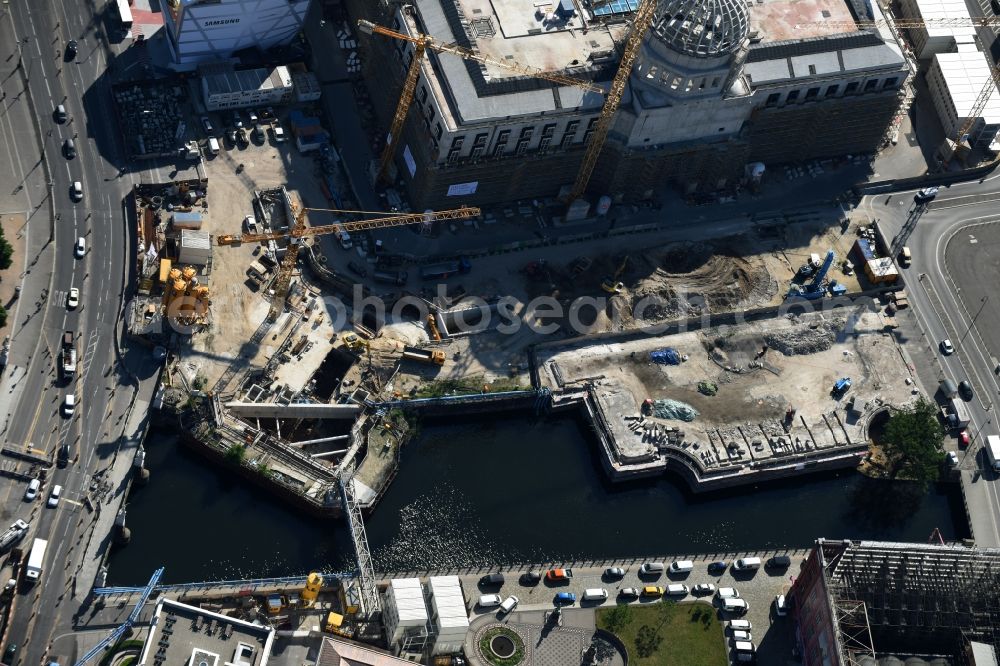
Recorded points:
(355, 344)
(612, 284)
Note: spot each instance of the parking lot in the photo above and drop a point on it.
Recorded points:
(773, 635)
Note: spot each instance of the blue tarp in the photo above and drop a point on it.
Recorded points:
(668, 356)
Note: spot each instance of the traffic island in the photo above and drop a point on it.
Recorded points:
(501, 646)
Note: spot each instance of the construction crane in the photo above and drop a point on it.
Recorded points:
(299, 231)
(640, 24)
(133, 617)
(992, 83)
(423, 42)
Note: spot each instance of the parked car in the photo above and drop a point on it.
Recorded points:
(357, 268)
(252, 115)
(718, 567)
(965, 390)
(780, 605)
(741, 635)
(778, 562)
(925, 195)
(652, 591)
(32, 490)
(629, 593)
(237, 120)
(241, 138)
(509, 604)
(207, 124)
(614, 573)
(530, 578)
(703, 588)
(490, 600)
(69, 405)
(946, 347)
(728, 593)
(558, 575)
(565, 598)
(953, 459)
(491, 580)
(963, 438)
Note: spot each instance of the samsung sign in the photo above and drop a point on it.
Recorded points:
(227, 21)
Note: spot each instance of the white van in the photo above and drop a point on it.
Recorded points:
(747, 563)
(677, 589)
(490, 600)
(745, 646)
(345, 239)
(681, 566)
(735, 605)
(595, 594)
(213, 145)
(509, 604)
(740, 625)
(651, 569)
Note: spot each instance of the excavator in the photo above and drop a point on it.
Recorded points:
(612, 285)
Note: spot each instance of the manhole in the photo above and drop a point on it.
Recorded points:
(502, 646)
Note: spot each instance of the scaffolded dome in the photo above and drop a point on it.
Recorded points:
(702, 28)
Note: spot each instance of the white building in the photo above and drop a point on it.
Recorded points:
(449, 616)
(210, 30)
(938, 38)
(405, 615)
(955, 81)
(249, 87)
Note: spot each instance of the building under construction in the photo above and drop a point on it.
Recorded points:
(716, 85)
(874, 602)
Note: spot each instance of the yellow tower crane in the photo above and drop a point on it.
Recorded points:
(423, 42)
(299, 231)
(641, 21)
(991, 84)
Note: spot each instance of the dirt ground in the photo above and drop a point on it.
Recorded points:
(13, 228)
(804, 358)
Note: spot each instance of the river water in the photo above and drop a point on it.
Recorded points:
(474, 492)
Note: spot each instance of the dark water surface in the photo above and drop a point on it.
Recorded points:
(474, 492)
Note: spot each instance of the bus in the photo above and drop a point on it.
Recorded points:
(123, 13)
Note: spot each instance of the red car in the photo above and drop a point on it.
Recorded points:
(963, 438)
(558, 575)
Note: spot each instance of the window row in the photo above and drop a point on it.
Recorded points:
(833, 90)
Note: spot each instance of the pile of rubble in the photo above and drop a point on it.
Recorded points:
(805, 339)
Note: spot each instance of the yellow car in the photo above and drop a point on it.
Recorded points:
(652, 591)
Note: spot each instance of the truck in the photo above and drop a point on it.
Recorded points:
(13, 534)
(397, 278)
(956, 414)
(36, 558)
(435, 356)
(993, 451)
(445, 270)
(68, 354)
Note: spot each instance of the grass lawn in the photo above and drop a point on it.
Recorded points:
(667, 633)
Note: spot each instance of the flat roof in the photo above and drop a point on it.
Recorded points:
(448, 601)
(408, 597)
(247, 79)
(946, 9)
(964, 74)
(183, 634)
(780, 20)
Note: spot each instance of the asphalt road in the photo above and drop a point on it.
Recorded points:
(36, 78)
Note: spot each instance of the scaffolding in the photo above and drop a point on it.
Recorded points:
(904, 598)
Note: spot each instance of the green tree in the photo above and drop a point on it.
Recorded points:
(6, 253)
(647, 641)
(912, 443)
(236, 453)
(3, 316)
(618, 618)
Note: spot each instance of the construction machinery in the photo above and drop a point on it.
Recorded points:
(817, 287)
(299, 230)
(641, 21)
(612, 285)
(429, 356)
(421, 44)
(355, 344)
